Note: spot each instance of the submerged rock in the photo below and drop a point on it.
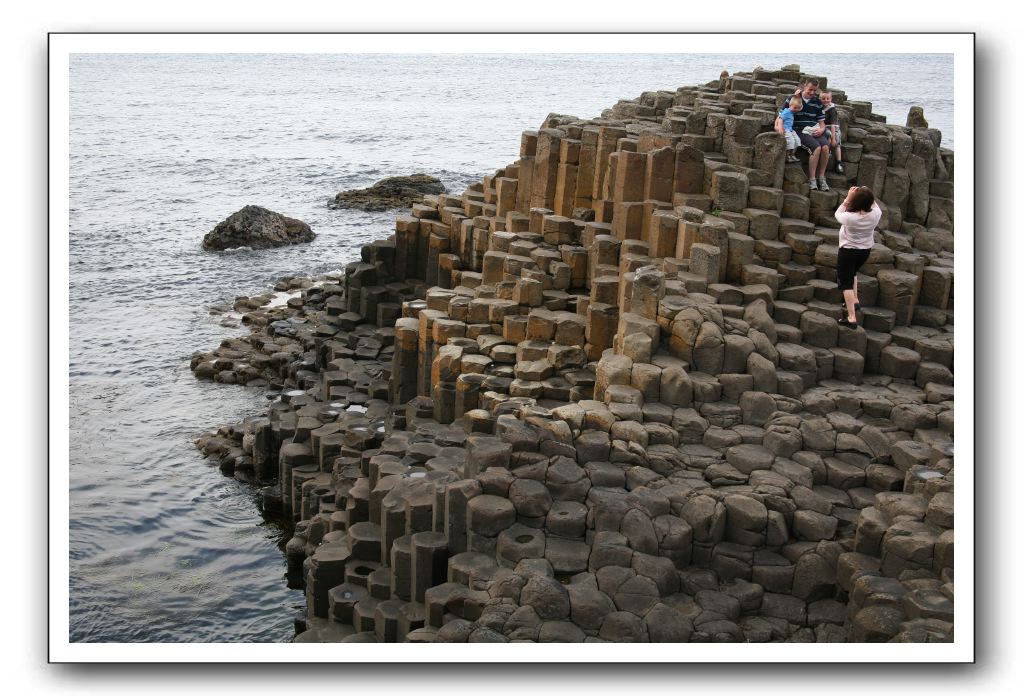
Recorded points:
(393, 192)
(257, 228)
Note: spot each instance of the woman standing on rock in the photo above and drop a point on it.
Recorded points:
(859, 215)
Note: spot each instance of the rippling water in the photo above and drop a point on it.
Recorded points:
(162, 546)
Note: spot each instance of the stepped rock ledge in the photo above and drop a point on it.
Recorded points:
(602, 394)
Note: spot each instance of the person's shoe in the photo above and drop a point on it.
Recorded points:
(813, 184)
(839, 168)
(822, 184)
(791, 158)
(845, 322)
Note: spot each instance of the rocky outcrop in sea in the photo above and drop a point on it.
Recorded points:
(393, 192)
(602, 394)
(257, 228)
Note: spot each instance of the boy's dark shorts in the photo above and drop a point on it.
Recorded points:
(849, 263)
(812, 143)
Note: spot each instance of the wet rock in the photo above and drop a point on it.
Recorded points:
(518, 542)
(567, 556)
(489, 515)
(589, 606)
(257, 228)
(749, 458)
(560, 632)
(814, 526)
(814, 578)
(547, 597)
(665, 624)
(719, 603)
(393, 192)
(916, 119)
(530, 498)
(877, 624)
(523, 624)
(624, 627)
(609, 549)
(639, 530)
(637, 595)
(787, 607)
(567, 519)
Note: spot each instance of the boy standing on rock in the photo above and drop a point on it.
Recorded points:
(784, 125)
(811, 117)
(834, 130)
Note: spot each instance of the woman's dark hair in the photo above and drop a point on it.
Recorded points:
(861, 201)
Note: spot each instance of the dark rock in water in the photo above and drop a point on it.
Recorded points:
(257, 228)
(393, 192)
(916, 119)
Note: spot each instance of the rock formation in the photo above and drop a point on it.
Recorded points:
(393, 192)
(257, 228)
(602, 395)
(916, 119)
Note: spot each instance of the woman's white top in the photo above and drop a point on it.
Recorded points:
(857, 228)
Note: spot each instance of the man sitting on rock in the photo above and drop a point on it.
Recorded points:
(811, 118)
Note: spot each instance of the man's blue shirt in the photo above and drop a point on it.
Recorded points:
(811, 114)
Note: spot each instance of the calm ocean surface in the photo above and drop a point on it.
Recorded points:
(163, 147)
